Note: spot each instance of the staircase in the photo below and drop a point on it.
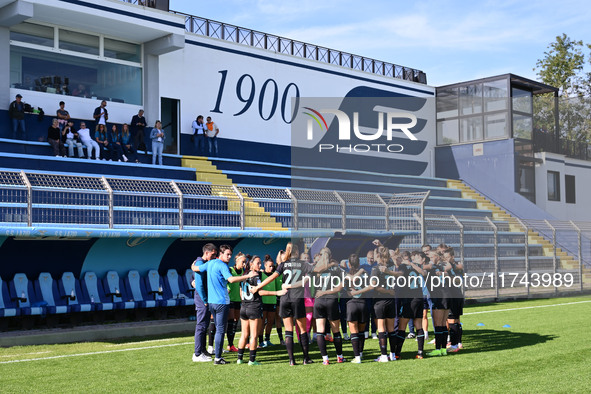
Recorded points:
(566, 261)
(254, 214)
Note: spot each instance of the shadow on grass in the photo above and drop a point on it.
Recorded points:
(486, 340)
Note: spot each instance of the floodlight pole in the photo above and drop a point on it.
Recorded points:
(526, 246)
(580, 252)
(554, 255)
(496, 251)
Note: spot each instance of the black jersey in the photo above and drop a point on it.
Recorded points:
(457, 289)
(358, 282)
(324, 281)
(294, 271)
(384, 281)
(250, 300)
(412, 285)
(435, 281)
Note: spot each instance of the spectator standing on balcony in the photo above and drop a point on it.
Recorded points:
(72, 139)
(138, 124)
(212, 134)
(91, 145)
(199, 129)
(16, 111)
(62, 115)
(157, 137)
(101, 115)
(55, 140)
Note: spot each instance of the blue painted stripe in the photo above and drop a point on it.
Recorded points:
(126, 13)
(214, 159)
(313, 68)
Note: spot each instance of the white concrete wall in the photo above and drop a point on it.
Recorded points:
(581, 170)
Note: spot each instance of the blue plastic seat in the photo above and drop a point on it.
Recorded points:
(172, 282)
(8, 307)
(155, 286)
(134, 287)
(21, 291)
(115, 289)
(46, 289)
(69, 286)
(186, 285)
(93, 291)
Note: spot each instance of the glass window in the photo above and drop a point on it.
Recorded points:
(32, 34)
(471, 129)
(121, 50)
(471, 99)
(522, 100)
(79, 42)
(52, 72)
(447, 132)
(553, 186)
(447, 103)
(569, 189)
(495, 126)
(495, 95)
(522, 126)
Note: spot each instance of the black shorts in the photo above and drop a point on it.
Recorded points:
(440, 303)
(269, 307)
(235, 305)
(357, 311)
(248, 312)
(384, 309)
(327, 308)
(456, 307)
(295, 309)
(411, 308)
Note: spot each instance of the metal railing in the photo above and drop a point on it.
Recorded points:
(37, 199)
(278, 44)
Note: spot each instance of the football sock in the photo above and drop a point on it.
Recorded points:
(289, 344)
(338, 342)
(355, 343)
(421, 340)
(382, 337)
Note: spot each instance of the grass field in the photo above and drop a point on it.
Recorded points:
(546, 349)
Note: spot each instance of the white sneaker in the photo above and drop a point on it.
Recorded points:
(356, 360)
(202, 358)
(210, 349)
(383, 359)
(125, 158)
(374, 336)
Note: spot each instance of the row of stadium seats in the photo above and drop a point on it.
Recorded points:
(46, 296)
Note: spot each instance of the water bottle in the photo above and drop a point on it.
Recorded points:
(72, 296)
(92, 299)
(160, 290)
(23, 295)
(117, 291)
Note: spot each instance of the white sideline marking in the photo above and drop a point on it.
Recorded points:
(526, 307)
(93, 353)
(24, 354)
(140, 342)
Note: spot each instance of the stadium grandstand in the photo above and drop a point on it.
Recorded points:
(86, 239)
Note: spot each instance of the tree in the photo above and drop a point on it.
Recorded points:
(562, 66)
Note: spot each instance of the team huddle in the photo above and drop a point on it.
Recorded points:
(393, 289)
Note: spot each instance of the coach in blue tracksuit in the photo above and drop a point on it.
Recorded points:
(201, 308)
(218, 277)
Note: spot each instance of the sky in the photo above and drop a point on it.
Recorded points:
(452, 41)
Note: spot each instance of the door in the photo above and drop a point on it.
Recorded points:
(170, 112)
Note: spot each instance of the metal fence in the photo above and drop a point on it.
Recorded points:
(277, 44)
(37, 199)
